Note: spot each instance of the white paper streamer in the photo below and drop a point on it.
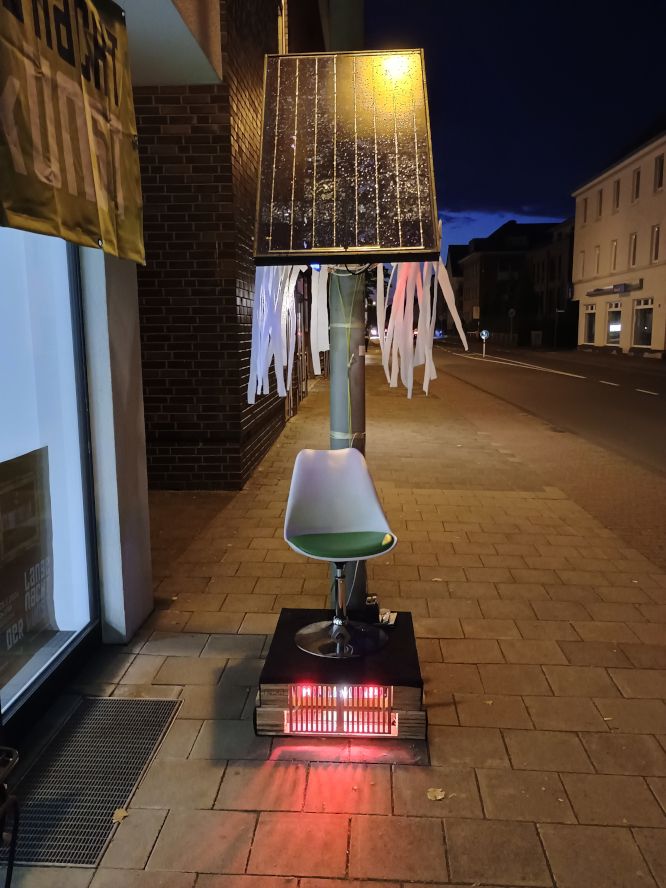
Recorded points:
(402, 347)
(319, 341)
(273, 328)
(412, 282)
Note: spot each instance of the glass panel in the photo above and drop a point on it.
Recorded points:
(643, 326)
(590, 324)
(44, 576)
(614, 327)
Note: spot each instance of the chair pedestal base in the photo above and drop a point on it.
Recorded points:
(340, 640)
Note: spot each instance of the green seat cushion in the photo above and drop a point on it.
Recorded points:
(333, 546)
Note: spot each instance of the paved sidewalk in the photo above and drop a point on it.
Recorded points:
(543, 644)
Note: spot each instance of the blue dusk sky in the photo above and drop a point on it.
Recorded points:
(528, 100)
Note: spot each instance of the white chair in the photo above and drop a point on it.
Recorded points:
(334, 514)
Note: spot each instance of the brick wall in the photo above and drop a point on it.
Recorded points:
(199, 148)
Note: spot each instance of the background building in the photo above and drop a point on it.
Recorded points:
(455, 253)
(620, 254)
(553, 313)
(497, 287)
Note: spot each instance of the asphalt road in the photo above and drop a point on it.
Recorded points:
(615, 401)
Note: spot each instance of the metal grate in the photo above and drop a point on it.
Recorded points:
(89, 769)
(352, 710)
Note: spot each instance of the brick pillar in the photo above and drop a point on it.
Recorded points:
(199, 148)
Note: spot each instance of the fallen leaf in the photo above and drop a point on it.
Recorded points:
(436, 794)
(488, 702)
(437, 580)
(608, 718)
(119, 815)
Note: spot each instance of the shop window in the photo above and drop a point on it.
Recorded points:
(643, 322)
(45, 576)
(614, 327)
(590, 325)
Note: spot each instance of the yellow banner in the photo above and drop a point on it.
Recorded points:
(69, 162)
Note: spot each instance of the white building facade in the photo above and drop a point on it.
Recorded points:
(619, 261)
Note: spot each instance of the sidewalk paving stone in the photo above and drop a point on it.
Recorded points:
(633, 716)
(349, 788)
(564, 714)
(133, 840)
(580, 681)
(652, 843)
(404, 848)
(411, 785)
(489, 852)
(204, 842)
(614, 753)
(509, 678)
(262, 786)
(547, 751)
(466, 747)
(228, 739)
(524, 795)
(612, 800)
(594, 857)
(178, 783)
(492, 710)
(300, 844)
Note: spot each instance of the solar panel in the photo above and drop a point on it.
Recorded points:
(346, 162)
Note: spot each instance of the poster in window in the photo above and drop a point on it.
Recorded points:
(27, 612)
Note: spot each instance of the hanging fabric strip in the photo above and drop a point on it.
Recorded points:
(319, 317)
(273, 328)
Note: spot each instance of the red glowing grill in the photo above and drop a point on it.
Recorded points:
(349, 710)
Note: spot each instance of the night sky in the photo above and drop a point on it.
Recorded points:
(527, 99)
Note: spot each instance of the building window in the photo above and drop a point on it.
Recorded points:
(600, 202)
(659, 172)
(636, 185)
(614, 327)
(45, 565)
(584, 210)
(632, 249)
(616, 195)
(613, 255)
(597, 258)
(581, 263)
(643, 322)
(654, 243)
(590, 324)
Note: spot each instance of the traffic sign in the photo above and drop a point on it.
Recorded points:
(485, 334)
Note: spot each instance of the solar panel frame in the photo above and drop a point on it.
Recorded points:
(332, 253)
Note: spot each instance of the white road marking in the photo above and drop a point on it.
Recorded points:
(647, 392)
(509, 363)
(605, 382)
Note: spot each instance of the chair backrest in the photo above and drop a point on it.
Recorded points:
(332, 492)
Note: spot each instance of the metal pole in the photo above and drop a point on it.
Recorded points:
(346, 306)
